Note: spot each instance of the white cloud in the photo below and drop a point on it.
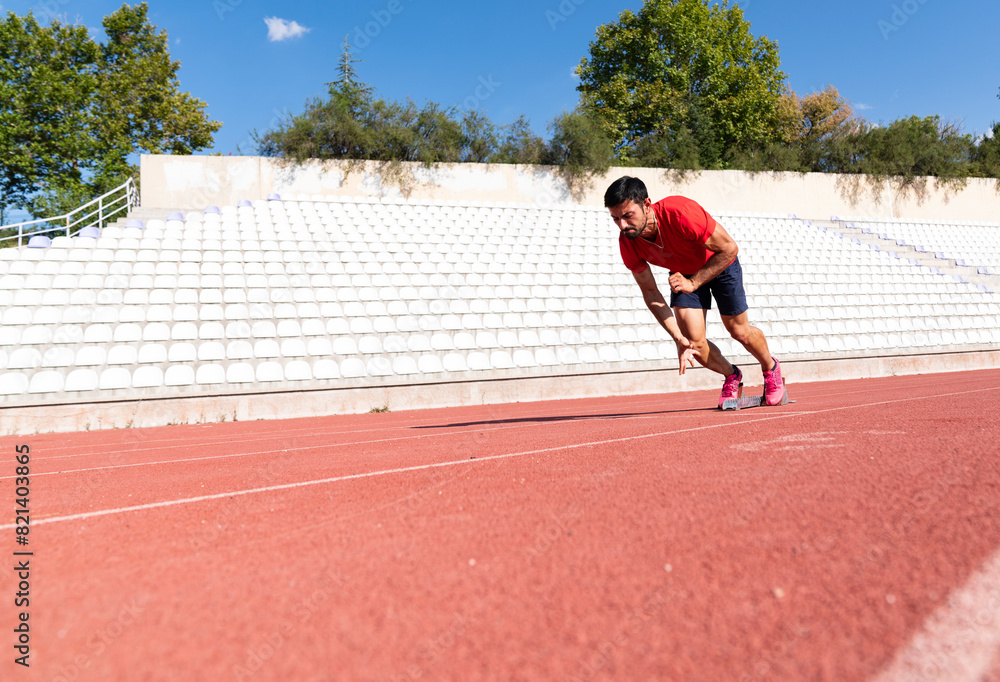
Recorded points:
(282, 29)
(862, 107)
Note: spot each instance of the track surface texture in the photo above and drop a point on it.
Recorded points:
(851, 535)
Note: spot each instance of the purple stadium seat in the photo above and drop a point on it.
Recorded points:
(135, 222)
(176, 216)
(39, 241)
(273, 197)
(91, 231)
(212, 209)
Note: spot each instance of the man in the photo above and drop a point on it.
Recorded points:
(679, 235)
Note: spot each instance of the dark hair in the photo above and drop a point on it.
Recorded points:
(625, 189)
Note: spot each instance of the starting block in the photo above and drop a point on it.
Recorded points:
(740, 402)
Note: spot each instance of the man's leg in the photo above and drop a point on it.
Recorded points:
(692, 324)
(728, 291)
(750, 337)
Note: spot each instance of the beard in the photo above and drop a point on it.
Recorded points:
(633, 232)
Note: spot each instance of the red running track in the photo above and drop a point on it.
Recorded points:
(630, 538)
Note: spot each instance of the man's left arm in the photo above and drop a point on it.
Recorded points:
(725, 250)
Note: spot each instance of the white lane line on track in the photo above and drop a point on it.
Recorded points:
(371, 474)
(960, 641)
(146, 445)
(436, 434)
(478, 460)
(304, 448)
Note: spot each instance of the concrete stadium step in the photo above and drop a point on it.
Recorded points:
(145, 214)
(947, 265)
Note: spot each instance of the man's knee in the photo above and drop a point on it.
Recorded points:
(743, 333)
(699, 344)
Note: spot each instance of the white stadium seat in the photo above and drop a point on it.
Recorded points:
(298, 370)
(240, 373)
(13, 383)
(325, 369)
(115, 378)
(147, 377)
(353, 368)
(454, 362)
(81, 380)
(24, 358)
(428, 364)
(47, 381)
(270, 371)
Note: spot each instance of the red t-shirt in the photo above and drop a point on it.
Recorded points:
(683, 227)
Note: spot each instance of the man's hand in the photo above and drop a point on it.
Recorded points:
(686, 354)
(724, 250)
(679, 284)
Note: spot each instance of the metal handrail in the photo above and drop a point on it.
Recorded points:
(121, 198)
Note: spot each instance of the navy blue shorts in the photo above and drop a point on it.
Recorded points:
(727, 288)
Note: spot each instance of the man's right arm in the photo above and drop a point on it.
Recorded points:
(658, 306)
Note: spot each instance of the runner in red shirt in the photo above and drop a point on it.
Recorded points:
(678, 234)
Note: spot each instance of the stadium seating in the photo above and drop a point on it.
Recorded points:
(970, 244)
(301, 293)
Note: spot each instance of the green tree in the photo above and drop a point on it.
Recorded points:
(518, 144)
(579, 145)
(480, 139)
(353, 124)
(686, 73)
(912, 148)
(986, 155)
(808, 129)
(139, 105)
(768, 156)
(47, 75)
(815, 124)
(74, 112)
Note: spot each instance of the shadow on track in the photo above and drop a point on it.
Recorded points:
(566, 418)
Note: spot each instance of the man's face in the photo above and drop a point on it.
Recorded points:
(633, 219)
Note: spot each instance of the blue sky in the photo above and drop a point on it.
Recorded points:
(251, 60)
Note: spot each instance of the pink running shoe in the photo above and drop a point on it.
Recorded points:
(774, 387)
(731, 389)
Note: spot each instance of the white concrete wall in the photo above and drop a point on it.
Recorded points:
(194, 182)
